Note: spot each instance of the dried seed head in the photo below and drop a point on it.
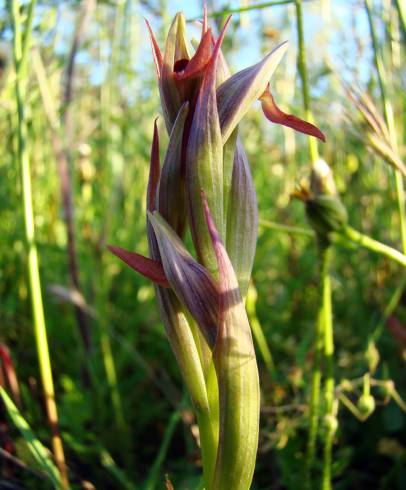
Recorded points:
(321, 179)
(324, 209)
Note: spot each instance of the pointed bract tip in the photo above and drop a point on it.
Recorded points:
(219, 42)
(179, 16)
(154, 169)
(156, 52)
(278, 52)
(224, 28)
(149, 268)
(204, 25)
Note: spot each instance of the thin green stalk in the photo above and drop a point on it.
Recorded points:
(108, 358)
(110, 465)
(38, 451)
(258, 6)
(400, 190)
(20, 49)
(160, 458)
(314, 406)
(302, 67)
(330, 418)
(293, 230)
(373, 245)
(401, 8)
(390, 308)
(390, 122)
(26, 38)
(344, 237)
(65, 163)
(257, 330)
(107, 102)
(324, 331)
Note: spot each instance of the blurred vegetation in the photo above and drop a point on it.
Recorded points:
(124, 419)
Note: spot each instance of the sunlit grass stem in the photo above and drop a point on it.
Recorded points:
(314, 406)
(258, 332)
(330, 421)
(401, 8)
(153, 477)
(20, 50)
(65, 161)
(291, 230)
(323, 348)
(302, 68)
(390, 121)
(354, 236)
(324, 322)
(108, 98)
(348, 236)
(238, 10)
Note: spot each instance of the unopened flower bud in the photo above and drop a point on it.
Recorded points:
(331, 423)
(372, 356)
(366, 405)
(386, 389)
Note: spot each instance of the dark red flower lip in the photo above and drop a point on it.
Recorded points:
(180, 66)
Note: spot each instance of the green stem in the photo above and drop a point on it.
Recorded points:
(390, 122)
(107, 356)
(156, 467)
(293, 230)
(330, 418)
(389, 309)
(258, 6)
(108, 99)
(401, 8)
(20, 49)
(314, 406)
(302, 67)
(401, 198)
(373, 245)
(26, 38)
(348, 234)
(257, 330)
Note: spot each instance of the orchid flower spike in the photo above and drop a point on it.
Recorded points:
(205, 184)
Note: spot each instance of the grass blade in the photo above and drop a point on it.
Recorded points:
(40, 453)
